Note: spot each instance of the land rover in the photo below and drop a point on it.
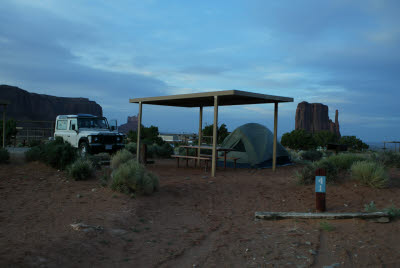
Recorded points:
(89, 133)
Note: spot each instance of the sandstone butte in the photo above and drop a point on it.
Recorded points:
(314, 117)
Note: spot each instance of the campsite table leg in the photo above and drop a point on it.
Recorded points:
(224, 159)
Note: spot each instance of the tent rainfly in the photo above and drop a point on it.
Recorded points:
(216, 99)
(253, 145)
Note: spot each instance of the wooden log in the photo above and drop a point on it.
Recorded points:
(325, 215)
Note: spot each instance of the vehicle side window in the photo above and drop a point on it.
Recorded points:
(73, 123)
(62, 125)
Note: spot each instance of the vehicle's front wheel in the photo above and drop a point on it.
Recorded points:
(83, 149)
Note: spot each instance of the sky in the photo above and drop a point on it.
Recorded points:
(342, 53)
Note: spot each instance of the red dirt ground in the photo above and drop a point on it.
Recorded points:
(193, 221)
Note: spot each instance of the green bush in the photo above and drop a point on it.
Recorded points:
(387, 158)
(311, 155)
(330, 168)
(11, 130)
(344, 161)
(132, 177)
(370, 173)
(59, 154)
(298, 139)
(33, 143)
(4, 156)
(307, 174)
(35, 153)
(56, 153)
(353, 143)
(97, 159)
(81, 169)
(120, 157)
(182, 151)
(131, 147)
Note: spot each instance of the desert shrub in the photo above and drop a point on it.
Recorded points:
(330, 168)
(324, 137)
(56, 153)
(97, 159)
(345, 161)
(81, 169)
(120, 157)
(59, 154)
(307, 174)
(370, 173)
(387, 158)
(295, 156)
(4, 156)
(35, 153)
(33, 143)
(132, 177)
(131, 147)
(163, 151)
(311, 155)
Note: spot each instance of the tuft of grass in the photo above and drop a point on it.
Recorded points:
(81, 169)
(370, 173)
(370, 207)
(131, 147)
(104, 180)
(344, 161)
(387, 158)
(326, 226)
(4, 156)
(120, 158)
(393, 211)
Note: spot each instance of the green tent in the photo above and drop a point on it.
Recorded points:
(253, 143)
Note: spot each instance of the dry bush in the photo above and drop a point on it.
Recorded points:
(370, 173)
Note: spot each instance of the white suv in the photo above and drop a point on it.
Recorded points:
(89, 133)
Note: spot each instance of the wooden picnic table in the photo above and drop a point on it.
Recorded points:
(207, 147)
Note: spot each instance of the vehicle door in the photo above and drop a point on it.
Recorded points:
(61, 129)
(73, 132)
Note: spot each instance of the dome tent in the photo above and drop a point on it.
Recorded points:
(253, 145)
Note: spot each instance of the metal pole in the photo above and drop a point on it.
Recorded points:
(320, 194)
(4, 126)
(200, 132)
(275, 137)
(214, 147)
(138, 132)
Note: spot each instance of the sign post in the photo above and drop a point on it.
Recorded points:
(320, 189)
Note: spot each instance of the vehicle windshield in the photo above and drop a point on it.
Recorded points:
(95, 122)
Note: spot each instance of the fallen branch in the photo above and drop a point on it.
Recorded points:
(325, 215)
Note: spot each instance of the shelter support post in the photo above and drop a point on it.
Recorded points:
(138, 132)
(200, 132)
(4, 126)
(214, 147)
(275, 137)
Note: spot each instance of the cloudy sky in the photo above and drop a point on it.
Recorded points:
(342, 53)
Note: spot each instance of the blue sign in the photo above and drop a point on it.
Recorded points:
(320, 183)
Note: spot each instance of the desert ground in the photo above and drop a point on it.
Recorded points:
(193, 221)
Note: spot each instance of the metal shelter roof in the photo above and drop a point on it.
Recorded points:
(225, 98)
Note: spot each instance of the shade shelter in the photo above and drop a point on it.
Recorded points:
(4, 103)
(216, 99)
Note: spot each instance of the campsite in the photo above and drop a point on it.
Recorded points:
(199, 133)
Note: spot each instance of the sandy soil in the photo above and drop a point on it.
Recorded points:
(193, 221)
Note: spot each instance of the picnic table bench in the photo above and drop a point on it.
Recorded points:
(188, 157)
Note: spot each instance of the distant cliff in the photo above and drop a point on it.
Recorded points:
(130, 125)
(31, 106)
(314, 117)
